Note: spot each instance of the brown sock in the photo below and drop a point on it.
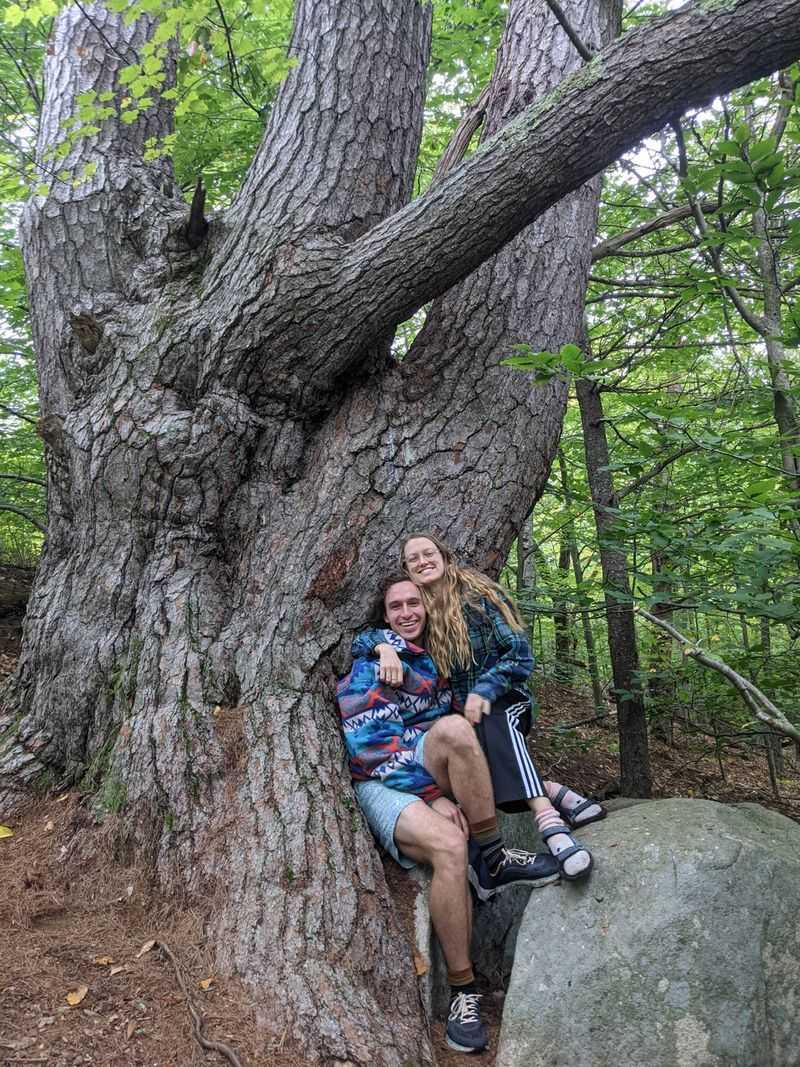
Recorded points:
(488, 839)
(461, 981)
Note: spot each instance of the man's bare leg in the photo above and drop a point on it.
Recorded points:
(426, 837)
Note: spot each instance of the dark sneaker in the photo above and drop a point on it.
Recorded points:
(464, 1031)
(515, 867)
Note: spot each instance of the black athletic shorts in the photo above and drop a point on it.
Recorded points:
(502, 736)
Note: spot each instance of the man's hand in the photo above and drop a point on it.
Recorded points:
(443, 806)
(390, 669)
(475, 707)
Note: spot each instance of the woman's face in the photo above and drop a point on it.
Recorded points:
(423, 560)
(404, 611)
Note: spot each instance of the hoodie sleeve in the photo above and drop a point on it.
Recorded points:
(374, 734)
(510, 663)
(365, 643)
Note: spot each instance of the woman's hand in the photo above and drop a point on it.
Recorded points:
(390, 669)
(475, 707)
(443, 806)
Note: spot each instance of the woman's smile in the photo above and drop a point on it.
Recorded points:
(423, 560)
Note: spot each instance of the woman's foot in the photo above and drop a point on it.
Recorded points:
(574, 809)
(574, 860)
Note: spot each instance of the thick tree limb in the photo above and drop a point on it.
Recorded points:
(612, 245)
(628, 91)
(761, 706)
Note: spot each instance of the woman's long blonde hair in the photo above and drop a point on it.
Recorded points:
(447, 635)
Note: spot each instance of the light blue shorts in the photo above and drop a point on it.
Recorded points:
(383, 806)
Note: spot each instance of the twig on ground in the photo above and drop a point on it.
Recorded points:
(197, 1018)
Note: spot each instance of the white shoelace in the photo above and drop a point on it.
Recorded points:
(464, 1008)
(517, 855)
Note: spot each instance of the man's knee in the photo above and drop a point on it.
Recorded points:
(449, 848)
(455, 734)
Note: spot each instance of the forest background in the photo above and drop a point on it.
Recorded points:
(689, 379)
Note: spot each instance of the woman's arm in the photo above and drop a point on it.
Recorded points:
(508, 660)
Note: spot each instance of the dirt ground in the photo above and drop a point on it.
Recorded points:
(82, 983)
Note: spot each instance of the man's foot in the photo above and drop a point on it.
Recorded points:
(464, 1031)
(514, 867)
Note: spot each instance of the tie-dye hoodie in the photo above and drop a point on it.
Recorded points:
(383, 725)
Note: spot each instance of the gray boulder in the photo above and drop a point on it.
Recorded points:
(681, 950)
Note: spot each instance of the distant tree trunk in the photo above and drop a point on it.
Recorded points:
(633, 743)
(577, 570)
(562, 618)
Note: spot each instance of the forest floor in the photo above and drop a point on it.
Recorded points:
(81, 983)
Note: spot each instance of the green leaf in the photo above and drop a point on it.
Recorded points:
(14, 15)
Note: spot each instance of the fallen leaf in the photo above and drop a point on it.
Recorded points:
(146, 947)
(62, 798)
(421, 965)
(103, 961)
(130, 1030)
(116, 970)
(77, 995)
(49, 824)
(204, 983)
(6, 832)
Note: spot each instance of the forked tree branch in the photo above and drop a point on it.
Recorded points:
(612, 245)
(627, 92)
(760, 705)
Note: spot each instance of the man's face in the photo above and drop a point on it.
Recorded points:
(404, 611)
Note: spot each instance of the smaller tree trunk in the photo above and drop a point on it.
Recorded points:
(634, 753)
(577, 570)
(562, 620)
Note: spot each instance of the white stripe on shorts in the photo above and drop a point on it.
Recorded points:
(530, 779)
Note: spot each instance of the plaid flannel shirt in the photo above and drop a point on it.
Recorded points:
(501, 657)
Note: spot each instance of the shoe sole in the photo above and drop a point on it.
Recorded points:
(465, 1048)
(484, 894)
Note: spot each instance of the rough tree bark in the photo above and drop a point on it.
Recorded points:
(233, 459)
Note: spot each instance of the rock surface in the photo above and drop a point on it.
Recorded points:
(681, 950)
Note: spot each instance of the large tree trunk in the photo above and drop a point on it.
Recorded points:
(233, 460)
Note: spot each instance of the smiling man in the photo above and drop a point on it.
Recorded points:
(423, 783)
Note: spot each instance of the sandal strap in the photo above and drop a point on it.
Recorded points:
(558, 798)
(551, 831)
(565, 854)
(579, 808)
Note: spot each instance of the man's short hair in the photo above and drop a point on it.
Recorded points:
(377, 609)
